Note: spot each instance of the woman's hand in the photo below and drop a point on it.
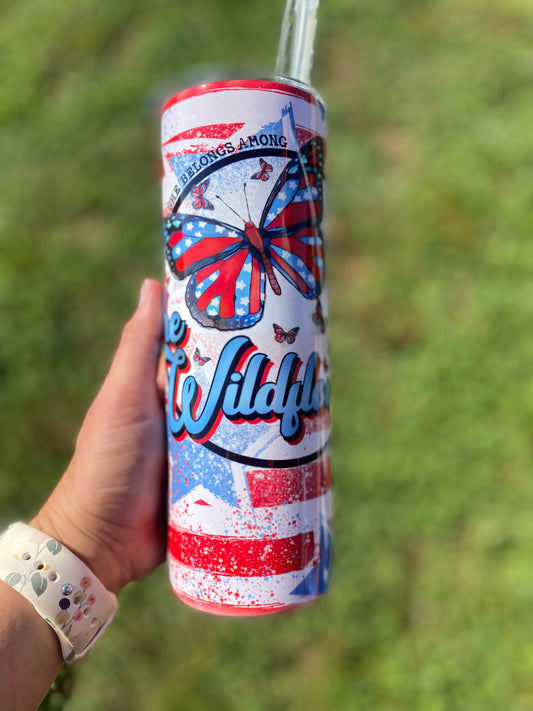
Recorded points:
(109, 507)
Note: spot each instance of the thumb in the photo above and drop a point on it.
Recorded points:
(135, 363)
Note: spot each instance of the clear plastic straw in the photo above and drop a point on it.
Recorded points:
(295, 54)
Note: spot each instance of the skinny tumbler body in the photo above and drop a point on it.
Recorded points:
(246, 347)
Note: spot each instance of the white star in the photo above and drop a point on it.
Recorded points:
(270, 216)
(188, 226)
(240, 284)
(198, 234)
(247, 267)
(244, 300)
(202, 224)
(188, 242)
(213, 276)
(282, 195)
(219, 228)
(232, 234)
(240, 312)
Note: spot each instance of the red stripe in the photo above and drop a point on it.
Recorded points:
(295, 213)
(223, 286)
(211, 88)
(245, 557)
(275, 487)
(284, 266)
(205, 247)
(216, 130)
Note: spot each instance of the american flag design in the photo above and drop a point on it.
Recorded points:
(247, 411)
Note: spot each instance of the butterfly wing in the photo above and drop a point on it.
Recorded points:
(291, 335)
(264, 173)
(279, 333)
(193, 242)
(202, 203)
(199, 201)
(291, 220)
(229, 293)
(227, 285)
(200, 359)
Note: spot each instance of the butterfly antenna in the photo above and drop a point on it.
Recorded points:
(247, 206)
(230, 208)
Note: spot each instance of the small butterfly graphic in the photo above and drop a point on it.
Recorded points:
(199, 202)
(201, 360)
(318, 317)
(280, 335)
(264, 173)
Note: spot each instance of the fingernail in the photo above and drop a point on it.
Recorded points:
(145, 288)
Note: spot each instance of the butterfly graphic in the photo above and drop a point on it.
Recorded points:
(199, 201)
(318, 317)
(229, 266)
(264, 173)
(280, 335)
(201, 360)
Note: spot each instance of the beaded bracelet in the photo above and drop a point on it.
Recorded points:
(63, 590)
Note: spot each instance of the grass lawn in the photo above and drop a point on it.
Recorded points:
(430, 264)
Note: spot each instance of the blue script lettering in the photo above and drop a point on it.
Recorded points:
(240, 390)
(175, 328)
(201, 425)
(175, 334)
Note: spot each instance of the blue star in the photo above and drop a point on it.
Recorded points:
(317, 581)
